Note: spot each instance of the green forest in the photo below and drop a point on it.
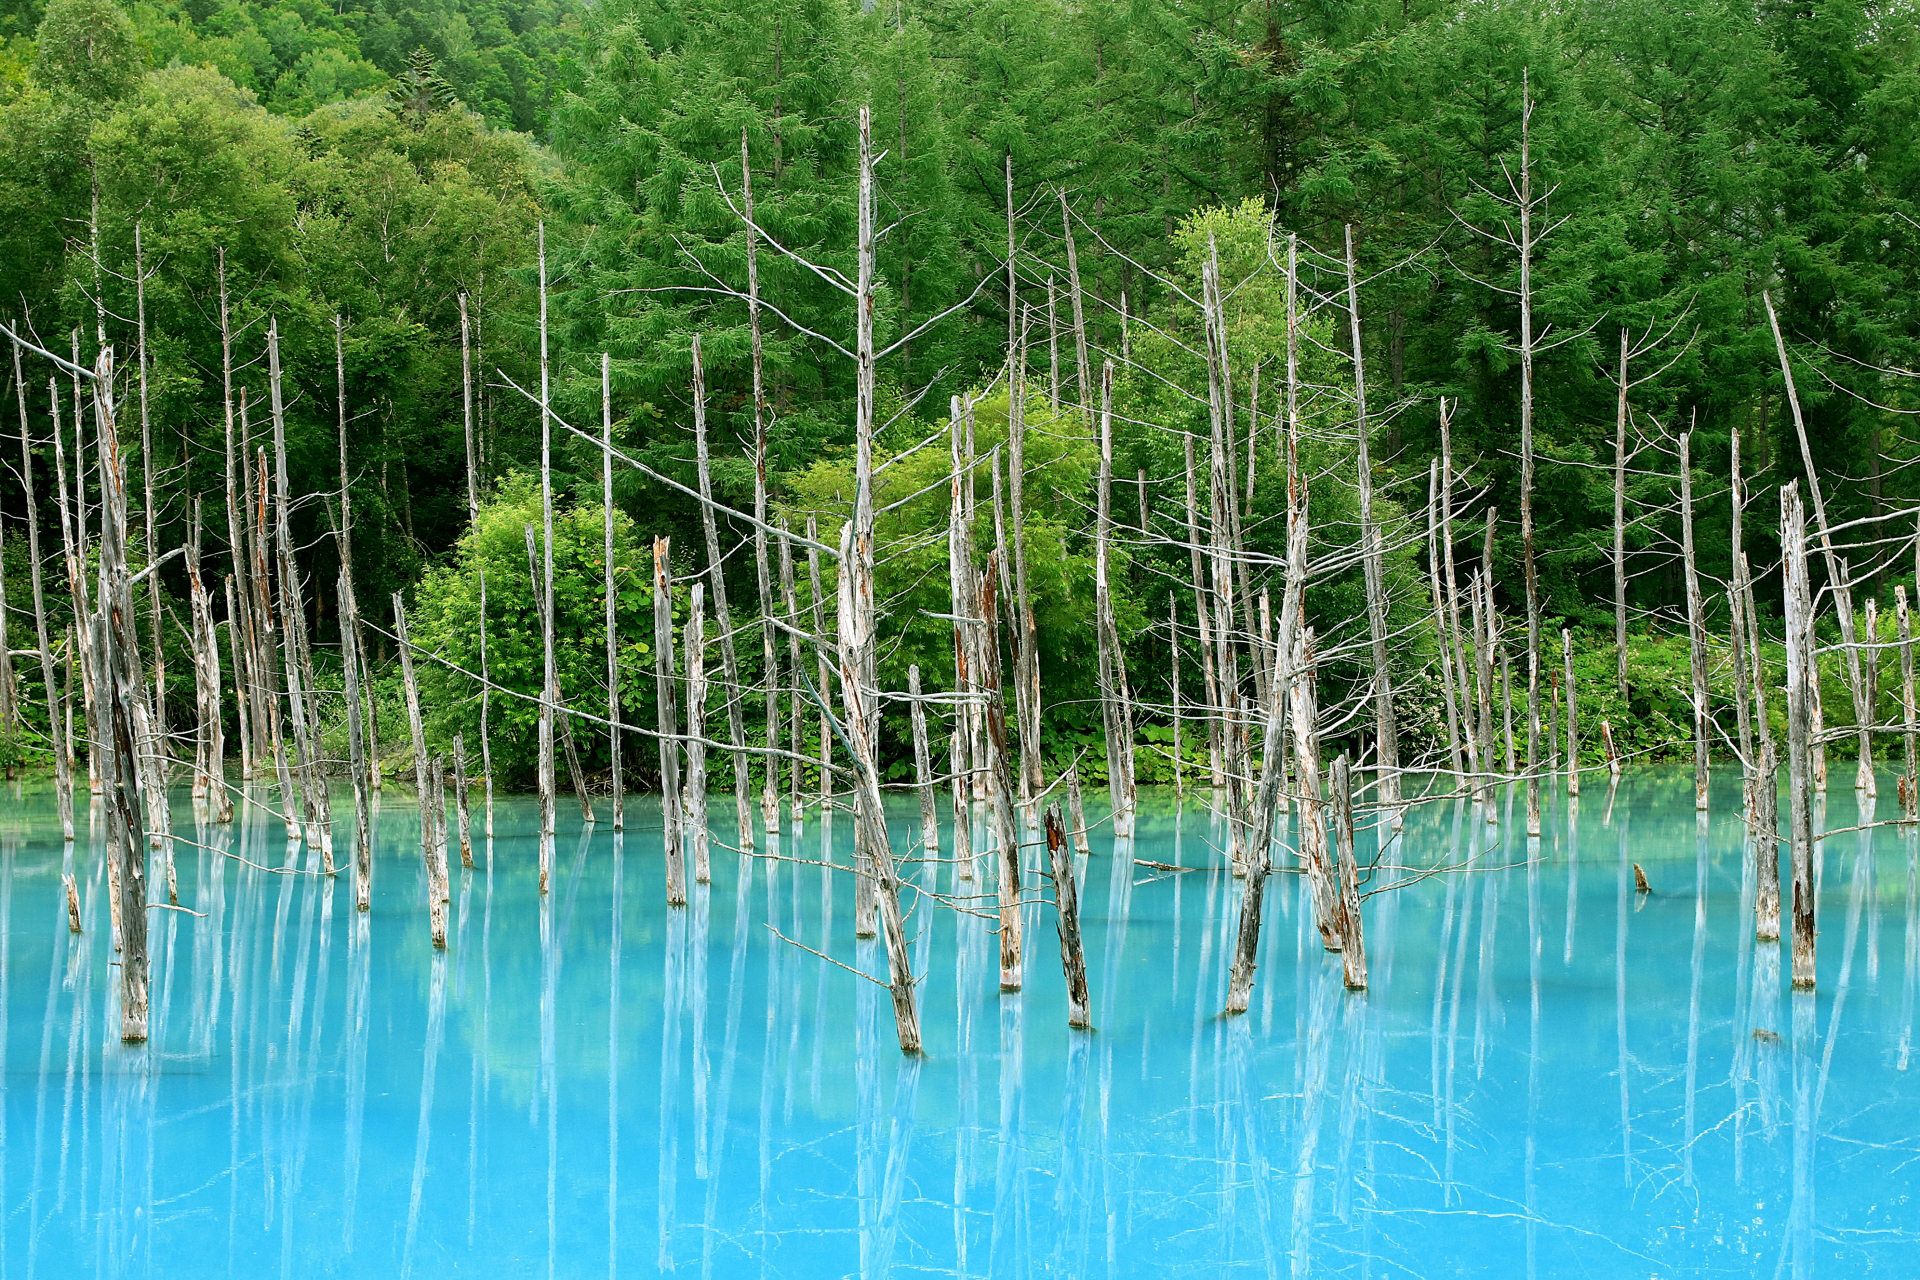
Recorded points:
(525, 186)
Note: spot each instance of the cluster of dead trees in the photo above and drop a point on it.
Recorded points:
(1260, 706)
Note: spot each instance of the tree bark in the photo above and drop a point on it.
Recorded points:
(1066, 898)
(1800, 678)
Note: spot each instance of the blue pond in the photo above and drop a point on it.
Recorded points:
(1550, 1076)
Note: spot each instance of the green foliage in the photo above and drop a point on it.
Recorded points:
(87, 48)
(446, 623)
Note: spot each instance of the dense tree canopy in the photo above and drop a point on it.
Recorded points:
(375, 160)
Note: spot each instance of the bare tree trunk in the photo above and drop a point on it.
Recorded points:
(1696, 627)
(117, 662)
(293, 615)
(1800, 678)
(1113, 689)
(770, 669)
(1910, 714)
(1266, 808)
(1386, 730)
(417, 727)
(722, 616)
(1209, 674)
(1026, 666)
(1006, 836)
(148, 513)
(923, 766)
(1066, 899)
(1527, 465)
(356, 767)
(820, 631)
(460, 801)
(796, 735)
(1354, 952)
(1083, 368)
(352, 633)
(1620, 523)
(549, 679)
(695, 801)
(240, 625)
(1467, 730)
(1440, 628)
(466, 411)
(1573, 717)
(62, 756)
(1837, 577)
(486, 731)
(1742, 638)
(613, 594)
(1173, 653)
(669, 726)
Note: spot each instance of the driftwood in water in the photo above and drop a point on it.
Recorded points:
(922, 766)
(693, 795)
(73, 903)
(1066, 899)
(669, 726)
(1354, 952)
(1800, 680)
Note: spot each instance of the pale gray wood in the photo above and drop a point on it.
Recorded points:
(1373, 558)
(1800, 680)
(1066, 898)
(694, 793)
(669, 726)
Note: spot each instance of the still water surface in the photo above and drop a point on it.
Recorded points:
(1551, 1076)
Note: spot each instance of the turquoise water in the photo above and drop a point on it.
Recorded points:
(1550, 1075)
